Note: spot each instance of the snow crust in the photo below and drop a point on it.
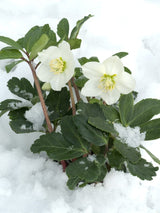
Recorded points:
(32, 183)
(131, 136)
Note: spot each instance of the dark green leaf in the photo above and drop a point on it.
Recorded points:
(39, 45)
(144, 111)
(110, 113)
(143, 169)
(126, 108)
(63, 29)
(80, 82)
(103, 172)
(151, 128)
(19, 123)
(121, 54)
(56, 147)
(86, 170)
(74, 43)
(115, 159)
(11, 104)
(76, 29)
(58, 103)
(73, 182)
(127, 70)
(10, 42)
(71, 134)
(89, 133)
(102, 124)
(22, 88)
(84, 60)
(130, 153)
(10, 54)
(151, 155)
(12, 65)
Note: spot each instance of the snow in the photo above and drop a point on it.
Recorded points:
(131, 136)
(32, 183)
(35, 116)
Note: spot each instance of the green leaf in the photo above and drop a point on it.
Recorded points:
(63, 29)
(80, 82)
(19, 123)
(34, 34)
(73, 182)
(74, 43)
(130, 153)
(2, 112)
(151, 155)
(144, 111)
(115, 159)
(126, 108)
(57, 147)
(127, 70)
(58, 103)
(151, 129)
(39, 46)
(102, 124)
(10, 42)
(89, 133)
(71, 134)
(22, 88)
(10, 104)
(142, 169)
(84, 60)
(110, 113)
(79, 24)
(121, 54)
(12, 65)
(86, 170)
(10, 54)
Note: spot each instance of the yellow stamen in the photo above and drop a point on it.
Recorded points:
(107, 82)
(57, 65)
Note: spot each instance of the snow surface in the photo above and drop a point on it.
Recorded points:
(34, 184)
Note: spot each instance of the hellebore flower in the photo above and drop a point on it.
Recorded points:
(57, 65)
(107, 80)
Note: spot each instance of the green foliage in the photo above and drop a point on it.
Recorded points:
(116, 160)
(84, 60)
(18, 123)
(121, 54)
(126, 108)
(78, 26)
(10, 54)
(63, 29)
(39, 45)
(58, 103)
(142, 169)
(9, 67)
(10, 42)
(151, 154)
(131, 154)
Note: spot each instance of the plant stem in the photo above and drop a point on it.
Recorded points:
(72, 98)
(76, 89)
(49, 125)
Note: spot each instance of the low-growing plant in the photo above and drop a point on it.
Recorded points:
(91, 123)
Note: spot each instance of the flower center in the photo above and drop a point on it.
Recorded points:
(107, 82)
(57, 65)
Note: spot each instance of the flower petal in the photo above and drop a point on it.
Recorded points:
(125, 83)
(50, 53)
(111, 96)
(58, 82)
(93, 70)
(113, 65)
(91, 88)
(44, 73)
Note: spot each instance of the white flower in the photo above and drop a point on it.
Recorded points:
(107, 80)
(57, 65)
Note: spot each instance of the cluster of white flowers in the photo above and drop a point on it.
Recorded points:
(106, 80)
